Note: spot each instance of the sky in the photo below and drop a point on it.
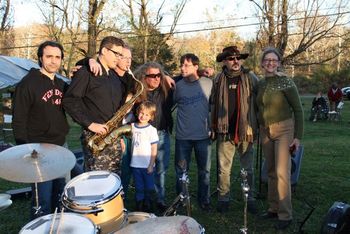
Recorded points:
(195, 13)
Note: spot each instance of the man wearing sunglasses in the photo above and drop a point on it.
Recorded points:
(92, 100)
(233, 122)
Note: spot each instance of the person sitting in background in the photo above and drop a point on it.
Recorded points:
(319, 109)
(335, 95)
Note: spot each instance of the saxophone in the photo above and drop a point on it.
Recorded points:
(98, 142)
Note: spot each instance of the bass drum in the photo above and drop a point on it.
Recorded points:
(337, 220)
(62, 223)
(96, 195)
(161, 225)
(136, 217)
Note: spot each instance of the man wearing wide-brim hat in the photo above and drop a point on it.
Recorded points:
(234, 122)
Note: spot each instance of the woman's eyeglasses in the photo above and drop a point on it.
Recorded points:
(274, 61)
(158, 75)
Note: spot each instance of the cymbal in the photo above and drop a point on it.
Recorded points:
(5, 201)
(37, 162)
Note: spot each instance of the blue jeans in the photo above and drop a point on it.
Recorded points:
(202, 150)
(49, 196)
(144, 183)
(162, 163)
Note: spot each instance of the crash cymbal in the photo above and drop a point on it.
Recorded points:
(39, 162)
(5, 201)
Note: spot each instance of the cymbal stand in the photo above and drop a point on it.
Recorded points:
(182, 199)
(245, 190)
(37, 207)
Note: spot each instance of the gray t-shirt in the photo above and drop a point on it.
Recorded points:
(192, 99)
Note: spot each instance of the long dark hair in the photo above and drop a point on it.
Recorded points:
(140, 74)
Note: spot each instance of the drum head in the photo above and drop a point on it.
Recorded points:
(92, 188)
(67, 223)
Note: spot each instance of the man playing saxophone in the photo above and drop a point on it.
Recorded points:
(92, 102)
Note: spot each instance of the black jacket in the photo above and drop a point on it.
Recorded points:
(93, 99)
(38, 115)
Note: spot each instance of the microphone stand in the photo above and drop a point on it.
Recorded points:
(184, 197)
(245, 190)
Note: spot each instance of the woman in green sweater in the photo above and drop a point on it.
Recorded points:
(281, 128)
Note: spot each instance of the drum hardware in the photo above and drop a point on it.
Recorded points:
(184, 197)
(5, 201)
(245, 191)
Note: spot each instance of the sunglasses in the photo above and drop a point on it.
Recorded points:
(233, 58)
(116, 53)
(158, 75)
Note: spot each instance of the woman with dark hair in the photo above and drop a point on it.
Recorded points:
(281, 128)
(156, 90)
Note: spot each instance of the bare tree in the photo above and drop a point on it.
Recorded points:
(311, 26)
(63, 20)
(6, 34)
(94, 14)
(143, 25)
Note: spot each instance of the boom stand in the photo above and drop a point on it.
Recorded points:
(245, 190)
(183, 198)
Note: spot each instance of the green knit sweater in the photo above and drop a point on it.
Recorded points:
(278, 99)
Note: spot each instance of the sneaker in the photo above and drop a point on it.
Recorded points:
(205, 206)
(251, 207)
(268, 215)
(161, 206)
(314, 120)
(223, 206)
(282, 224)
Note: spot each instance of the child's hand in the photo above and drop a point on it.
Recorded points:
(122, 144)
(150, 169)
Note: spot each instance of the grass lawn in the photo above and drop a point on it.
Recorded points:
(324, 179)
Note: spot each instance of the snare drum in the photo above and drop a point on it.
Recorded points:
(66, 223)
(97, 195)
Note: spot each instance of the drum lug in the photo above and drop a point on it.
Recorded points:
(97, 210)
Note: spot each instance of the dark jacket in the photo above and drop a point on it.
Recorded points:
(38, 116)
(93, 99)
(163, 119)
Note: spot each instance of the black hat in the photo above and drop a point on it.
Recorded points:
(230, 51)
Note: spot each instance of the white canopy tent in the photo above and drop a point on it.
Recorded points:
(13, 69)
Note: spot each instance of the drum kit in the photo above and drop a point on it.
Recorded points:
(92, 202)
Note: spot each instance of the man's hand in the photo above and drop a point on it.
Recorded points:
(150, 169)
(74, 70)
(122, 145)
(95, 67)
(212, 135)
(100, 129)
(169, 82)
